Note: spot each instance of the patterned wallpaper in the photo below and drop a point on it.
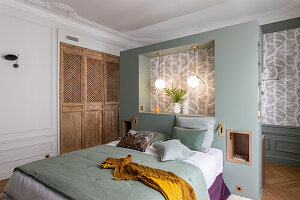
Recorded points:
(175, 69)
(281, 99)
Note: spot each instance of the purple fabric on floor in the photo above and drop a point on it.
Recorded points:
(219, 191)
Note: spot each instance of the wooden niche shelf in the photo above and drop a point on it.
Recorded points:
(239, 146)
(126, 126)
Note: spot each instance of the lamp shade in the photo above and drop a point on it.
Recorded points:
(160, 84)
(193, 81)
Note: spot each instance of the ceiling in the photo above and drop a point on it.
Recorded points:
(124, 16)
(150, 21)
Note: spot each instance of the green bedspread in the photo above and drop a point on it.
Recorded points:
(77, 175)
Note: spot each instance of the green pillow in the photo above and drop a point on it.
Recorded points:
(192, 138)
(161, 137)
(172, 150)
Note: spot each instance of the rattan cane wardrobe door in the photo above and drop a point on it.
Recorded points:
(71, 98)
(94, 99)
(112, 95)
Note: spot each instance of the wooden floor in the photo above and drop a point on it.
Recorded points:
(2, 185)
(282, 182)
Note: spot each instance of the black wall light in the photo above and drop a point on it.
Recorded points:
(12, 57)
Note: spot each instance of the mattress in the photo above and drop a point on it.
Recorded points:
(210, 163)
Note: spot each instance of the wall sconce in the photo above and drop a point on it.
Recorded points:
(12, 57)
(193, 81)
(159, 83)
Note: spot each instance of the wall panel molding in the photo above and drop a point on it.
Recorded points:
(287, 146)
(29, 111)
(35, 136)
(19, 130)
(282, 144)
(20, 152)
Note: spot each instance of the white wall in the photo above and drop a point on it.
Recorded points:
(29, 94)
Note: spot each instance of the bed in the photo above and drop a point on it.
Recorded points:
(77, 175)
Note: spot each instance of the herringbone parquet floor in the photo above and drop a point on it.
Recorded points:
(282, 182)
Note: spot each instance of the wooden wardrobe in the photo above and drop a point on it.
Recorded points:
(89, 98)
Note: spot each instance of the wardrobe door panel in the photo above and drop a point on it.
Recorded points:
(71, 78)
(111, 124)
(112, 82)
(112, 96)
(94, 99)
(93, 128)
(70, 131)
(71, 98)
(95, 81)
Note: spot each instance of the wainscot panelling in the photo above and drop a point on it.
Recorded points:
(13, 154)
(282, 144)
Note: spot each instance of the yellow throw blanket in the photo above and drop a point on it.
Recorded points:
(171, 186)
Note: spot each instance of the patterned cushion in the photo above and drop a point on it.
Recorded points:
(137, 140)
(159, 136)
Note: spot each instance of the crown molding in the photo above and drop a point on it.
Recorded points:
(67, 11)
(63, 14)
(291, 10)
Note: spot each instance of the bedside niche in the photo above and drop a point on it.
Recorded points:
(126, 126)
(239, 146)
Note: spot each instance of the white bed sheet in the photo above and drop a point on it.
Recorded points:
(210, 163)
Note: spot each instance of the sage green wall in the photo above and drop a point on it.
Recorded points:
(281, 25)
(236, 93)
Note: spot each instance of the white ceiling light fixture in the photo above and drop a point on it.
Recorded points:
(159, 83)
(193, 81)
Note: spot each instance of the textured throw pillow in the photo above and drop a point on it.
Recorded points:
(137, 140)
(199, 123)
(192, 138)
(158, 137)
(172, 150)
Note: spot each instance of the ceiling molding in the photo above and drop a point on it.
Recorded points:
(62, 12)
(67, 11)
(291, 10)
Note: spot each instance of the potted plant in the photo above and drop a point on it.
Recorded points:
(176, 95)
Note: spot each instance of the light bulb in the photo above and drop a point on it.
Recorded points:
(193, 81)
(160, 84)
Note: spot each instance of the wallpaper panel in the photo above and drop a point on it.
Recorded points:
(176, 69)
(281, 99)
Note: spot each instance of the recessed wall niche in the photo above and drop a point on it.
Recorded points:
(176, 66)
